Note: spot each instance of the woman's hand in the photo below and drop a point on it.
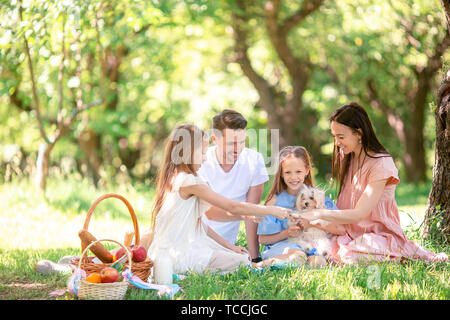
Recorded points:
(294, 218)
(279, 212)
(310, 215)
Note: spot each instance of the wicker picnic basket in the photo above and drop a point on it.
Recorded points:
(102, 291)
(140, 269)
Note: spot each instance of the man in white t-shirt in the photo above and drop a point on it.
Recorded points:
(235, 172)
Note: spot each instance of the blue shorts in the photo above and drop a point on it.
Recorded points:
(272, 250)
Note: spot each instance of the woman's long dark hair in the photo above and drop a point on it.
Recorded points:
(355, 117)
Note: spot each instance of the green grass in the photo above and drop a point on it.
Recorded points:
(33, 228)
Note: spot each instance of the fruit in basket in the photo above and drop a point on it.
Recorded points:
(109, 274)
(119, 254)
(94, 278)
(139, 253)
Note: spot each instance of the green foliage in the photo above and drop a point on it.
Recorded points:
(177, 64)
(385, 43)
(436, 225)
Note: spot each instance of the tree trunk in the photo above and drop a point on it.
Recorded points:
(414, 157)
(89, 143)
(285, 110)
(42, 165)
(437, 224)
(437, 216)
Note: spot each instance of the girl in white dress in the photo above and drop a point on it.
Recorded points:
(181, 199)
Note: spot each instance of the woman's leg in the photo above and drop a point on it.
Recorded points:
(226, 261)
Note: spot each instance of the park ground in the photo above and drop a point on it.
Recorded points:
(33, 228)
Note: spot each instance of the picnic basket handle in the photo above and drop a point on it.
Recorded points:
(94, 242)
(137, 237)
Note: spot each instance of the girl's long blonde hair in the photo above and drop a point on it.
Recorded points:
(178, 157)
(278, 182)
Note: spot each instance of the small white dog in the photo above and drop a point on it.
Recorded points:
(311, 198)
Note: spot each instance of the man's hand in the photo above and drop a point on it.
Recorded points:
(238, 249)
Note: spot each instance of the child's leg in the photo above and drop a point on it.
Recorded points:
(296, 256)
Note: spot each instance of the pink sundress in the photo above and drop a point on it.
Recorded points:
(379, 236)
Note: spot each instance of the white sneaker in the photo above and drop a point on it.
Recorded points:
(48, 267)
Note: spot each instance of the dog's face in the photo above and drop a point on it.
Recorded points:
(310, 198)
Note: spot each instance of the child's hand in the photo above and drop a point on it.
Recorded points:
(238, 249)
(293, 231)
(255, 219)
(304, 224)
(279, 212)
(294, 218)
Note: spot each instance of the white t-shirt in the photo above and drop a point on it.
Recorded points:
(248, 171)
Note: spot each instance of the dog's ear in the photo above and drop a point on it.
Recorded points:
(319, 195)
(299, 198)
(303, 189)
(297, 203)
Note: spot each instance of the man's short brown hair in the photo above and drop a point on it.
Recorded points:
(229, 119)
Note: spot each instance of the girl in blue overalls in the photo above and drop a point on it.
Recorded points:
(294, 170)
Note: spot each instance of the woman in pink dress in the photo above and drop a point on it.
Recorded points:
(367, 178)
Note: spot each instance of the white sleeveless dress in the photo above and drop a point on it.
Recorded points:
(181, 234)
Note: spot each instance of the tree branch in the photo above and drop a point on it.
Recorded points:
(265, 90)
(85, 107)
(279, 38)
(378, 103)
(435, 61)
(446, 6)
(61, 72)
(143, 29)
(18, 102)
(100, 52)
(308, 7)
(298, 68)
(79, 92)
(33, 81)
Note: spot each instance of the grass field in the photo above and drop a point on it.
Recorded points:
(33, 228)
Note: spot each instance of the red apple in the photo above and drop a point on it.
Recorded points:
(109, 274)
(119, 253)
(139, 253)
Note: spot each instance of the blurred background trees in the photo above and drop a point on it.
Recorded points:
(93, 88)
